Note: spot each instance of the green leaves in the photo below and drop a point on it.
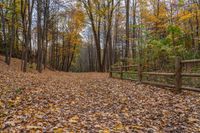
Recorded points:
(181, 3)
(174, 29)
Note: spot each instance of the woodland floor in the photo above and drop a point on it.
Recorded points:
(90, 102)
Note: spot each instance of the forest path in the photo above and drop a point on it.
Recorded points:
(91, 102)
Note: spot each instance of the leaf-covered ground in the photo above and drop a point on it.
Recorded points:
(91, 102)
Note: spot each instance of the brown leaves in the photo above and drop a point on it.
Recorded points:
(91, 102)
(193, 120)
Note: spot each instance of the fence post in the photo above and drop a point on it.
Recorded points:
(139, 72)
(178, 71)
(110, 73)
(121, 73)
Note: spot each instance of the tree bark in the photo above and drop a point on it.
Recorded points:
(39, 36)
(3, 21)
(127, 28)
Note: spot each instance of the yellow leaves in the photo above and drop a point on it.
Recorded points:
(194, 6)
(76, 21)
(54, 108)
(106, 131)
(163, 26)
(39, 115)
(137, 127)
(75, 25)
(186, 17)
(17, 100)
(148, 17)
(12, 103)
(34, 128)
(118, 127)
(58, 130)
(79, 18)
(74, 119)
(162, 10)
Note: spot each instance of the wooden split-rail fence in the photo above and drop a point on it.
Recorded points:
(177, 75)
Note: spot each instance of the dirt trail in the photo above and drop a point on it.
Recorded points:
(90, 102)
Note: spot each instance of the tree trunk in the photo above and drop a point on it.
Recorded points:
(39, 36)
(12, 37)
(127, 28)
(4, 34)
(134, 29)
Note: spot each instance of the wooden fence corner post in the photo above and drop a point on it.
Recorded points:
(139, 72)
(178, 71)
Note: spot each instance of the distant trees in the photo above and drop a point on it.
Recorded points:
(100, 15)
(64, 51)
(38, 37)
(50, 33)
(169, 30)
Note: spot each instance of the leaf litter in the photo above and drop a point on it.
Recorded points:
(91, 102)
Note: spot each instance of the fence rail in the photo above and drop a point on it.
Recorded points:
(191, 61)
(159, 73)
(177, 75)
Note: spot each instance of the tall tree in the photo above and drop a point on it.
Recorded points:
(26, 15)
(134, 10)
(12, 35)
(39, 36)
(127, 28)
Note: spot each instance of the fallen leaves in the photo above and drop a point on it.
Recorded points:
(34, 127)
(193, 120)
(91, 102)
(58, 130)
(106, 131)
(118, 127)
(137, 127)
(74, 119)
(1, 104)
